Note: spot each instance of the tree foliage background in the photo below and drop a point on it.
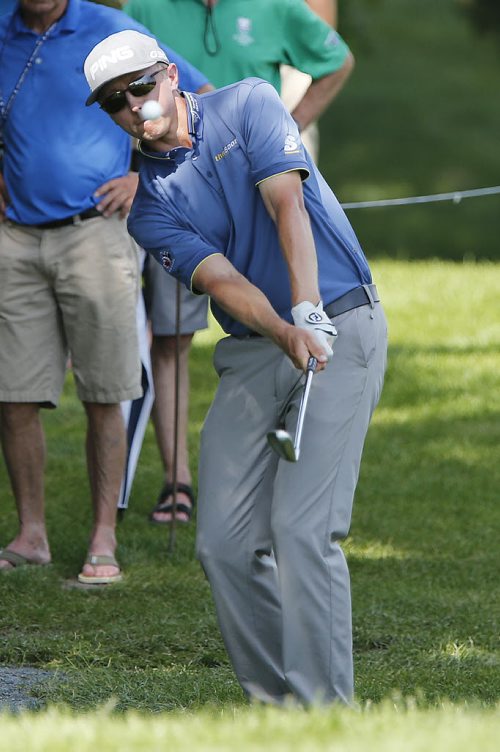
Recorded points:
(484, 14)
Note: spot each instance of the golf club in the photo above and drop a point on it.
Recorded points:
(279, 439)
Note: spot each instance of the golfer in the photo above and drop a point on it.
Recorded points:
(230, 203)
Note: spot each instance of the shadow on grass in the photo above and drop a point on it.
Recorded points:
(426, 627)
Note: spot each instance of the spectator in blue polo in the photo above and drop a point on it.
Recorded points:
(68, 266)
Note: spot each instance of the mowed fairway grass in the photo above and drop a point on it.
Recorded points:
(423, 553)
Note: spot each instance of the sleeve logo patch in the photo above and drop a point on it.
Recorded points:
(332, 39)
(291, 145)
(166, 260)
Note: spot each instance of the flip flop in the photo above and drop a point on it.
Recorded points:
(99, 560)
(18, 560)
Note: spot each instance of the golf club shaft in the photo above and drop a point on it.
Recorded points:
(311, 367)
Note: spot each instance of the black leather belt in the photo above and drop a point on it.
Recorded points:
(74, 220)
(360, 296)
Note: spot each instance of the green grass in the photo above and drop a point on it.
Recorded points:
(393, 727)
(423, 554)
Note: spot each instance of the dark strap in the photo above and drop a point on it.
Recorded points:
(164, 505)
(167, 508)
(168, 490)
(360, 296)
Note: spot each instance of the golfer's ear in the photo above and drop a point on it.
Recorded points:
(173, 75)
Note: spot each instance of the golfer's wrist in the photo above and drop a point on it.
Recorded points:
(281, 334)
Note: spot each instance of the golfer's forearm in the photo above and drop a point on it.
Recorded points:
(284, 200)
(248, 305)
(320, 93)
(239, 297)
(297, 244)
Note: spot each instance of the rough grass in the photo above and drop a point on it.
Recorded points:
(423, 548)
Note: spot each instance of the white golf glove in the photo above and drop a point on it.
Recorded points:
(306, 315)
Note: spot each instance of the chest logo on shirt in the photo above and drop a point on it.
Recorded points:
(243, 32)
(291, 145)
(226, 150)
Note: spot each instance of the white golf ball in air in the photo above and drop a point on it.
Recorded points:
(151, 110)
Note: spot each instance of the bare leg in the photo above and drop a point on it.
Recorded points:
(163, 363)
(106, 451)
(23, 445)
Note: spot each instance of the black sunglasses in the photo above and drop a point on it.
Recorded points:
(139, 88)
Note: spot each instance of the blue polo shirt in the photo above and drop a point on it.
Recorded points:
(192, 203)
(57, 151)
(7, 6)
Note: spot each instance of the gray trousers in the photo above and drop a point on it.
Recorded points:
(269, 530)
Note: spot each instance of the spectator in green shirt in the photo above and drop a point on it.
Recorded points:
(294, 83)
(232, 39)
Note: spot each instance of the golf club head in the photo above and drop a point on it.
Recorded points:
(282, 443)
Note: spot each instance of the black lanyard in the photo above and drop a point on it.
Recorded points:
(213, 45)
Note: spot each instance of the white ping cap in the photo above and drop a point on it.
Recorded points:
(124, 52)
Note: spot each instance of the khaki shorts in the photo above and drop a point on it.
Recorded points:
(70, 290)
(160, 295)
